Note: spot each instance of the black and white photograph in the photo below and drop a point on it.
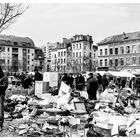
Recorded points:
(69, 68)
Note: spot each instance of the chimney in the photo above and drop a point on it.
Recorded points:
(64, 39)
(124, 33)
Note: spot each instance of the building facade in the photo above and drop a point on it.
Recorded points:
(39, 59)
(59, 57)
(119, 52)
(47, 48)
(16, 53)
(75, 55)
(82, 53)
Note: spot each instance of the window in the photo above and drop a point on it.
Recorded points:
(64, 53)
(122, 61)
(80, 54)
(94, 55)
(77, 46)
(28, 56)
(134, 50)
(28, 50)
(15, 43)
(80, 45)
(133, 60)
(90, 54)
(73, 46)
(139, 60)
(80, 61)
(110, 62)
(64, 60)
(58, 54)
(73, 54)
(116, 50)
(116, 62)
(15, 50)
(61, 54)
(8, 61)
(90, 47)
(105, 51)
(122, 50)
(127, 60)
(76, 54)
(101, 52)
(61, 61)
(105, 62)
(8, 49)
(58, 61)
(127, 49)
(110, 51)
(101, 62)
(28, 62)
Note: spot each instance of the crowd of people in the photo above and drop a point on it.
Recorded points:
(24, 79)
(96, 83)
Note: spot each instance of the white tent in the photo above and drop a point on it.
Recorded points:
(121, 74)
(101, 72)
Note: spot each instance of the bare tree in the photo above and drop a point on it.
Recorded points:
(9, 12)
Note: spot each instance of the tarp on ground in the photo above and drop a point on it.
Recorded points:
(121, 74)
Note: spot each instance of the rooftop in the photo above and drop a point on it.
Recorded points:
(10, 39)
(120, 38)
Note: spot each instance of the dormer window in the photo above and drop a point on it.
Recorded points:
(15, 43)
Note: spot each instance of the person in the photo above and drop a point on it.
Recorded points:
(104, 82)
(131, 83)
(65, 78)
(81, 82)
(76, 81)
(70, 80)
(38, 75)
(123, 83)
(3, 87)
(137, 85)
(27, 82)
(92, 86)
(100, 87)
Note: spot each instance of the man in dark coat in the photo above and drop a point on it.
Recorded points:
(80, 82)
(38, 75)
(92, 86)
(137, 85)
(70, 80)
(3, 87)
(104, 82)
(65, 78)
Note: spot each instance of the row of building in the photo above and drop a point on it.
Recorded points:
(19, 54)
(76, 54)
(80, 54)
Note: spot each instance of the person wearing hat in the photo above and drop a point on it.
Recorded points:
(92, 86)
(3, 87)
(38, 75)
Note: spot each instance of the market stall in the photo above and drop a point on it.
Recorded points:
(70, 114)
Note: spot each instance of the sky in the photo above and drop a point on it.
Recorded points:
(51, 22)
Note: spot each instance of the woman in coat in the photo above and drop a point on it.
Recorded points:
(3, 87)
(92, 86)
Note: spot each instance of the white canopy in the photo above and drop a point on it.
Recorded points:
(31, 73)
(101, 72)
(121, 73)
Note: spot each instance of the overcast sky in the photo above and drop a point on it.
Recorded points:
(46, 22)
